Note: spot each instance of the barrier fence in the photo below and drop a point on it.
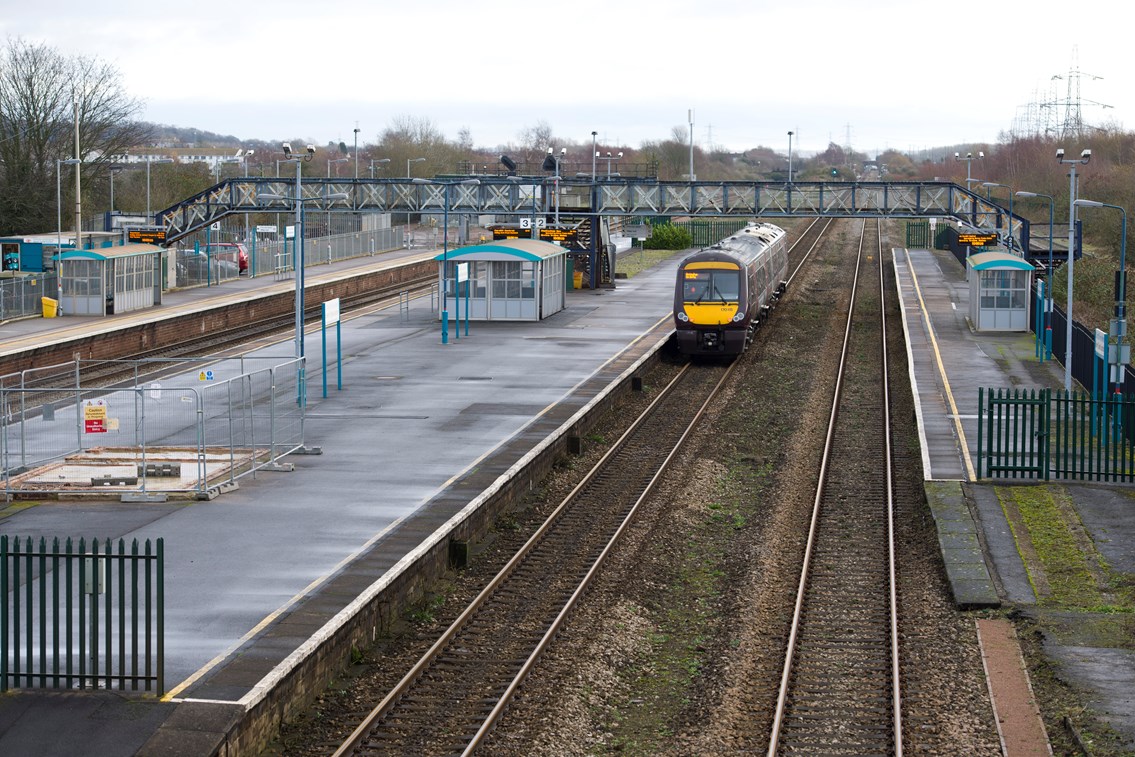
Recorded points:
(73, 617)
(165, 436)
(21, 296)
(1045, 434)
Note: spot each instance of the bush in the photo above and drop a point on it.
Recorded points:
(668, 237)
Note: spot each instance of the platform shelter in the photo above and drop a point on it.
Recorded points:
(110, 280)
(999, 286)
(505, 280)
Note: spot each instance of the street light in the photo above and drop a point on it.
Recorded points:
(113, 171)
(330, 161)
(988, 186)
(789, 157)
(969, 158)
(552, 162)
(594, 134)
(1085, 156)
(445, 257)
(375, 162)
(1048, 308)
(356, 149)
(608, 157)
(59, 227)
(299, 200)
(150, 160)
(1118, 327)
(412, 160)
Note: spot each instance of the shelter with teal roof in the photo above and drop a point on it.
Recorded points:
(110, 280)
(505, 280)
(999, 285)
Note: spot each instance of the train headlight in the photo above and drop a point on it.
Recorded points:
(739, 317)
(683, 317)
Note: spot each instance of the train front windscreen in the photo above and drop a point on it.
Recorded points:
(710, 286)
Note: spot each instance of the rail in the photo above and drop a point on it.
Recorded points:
(840, 560)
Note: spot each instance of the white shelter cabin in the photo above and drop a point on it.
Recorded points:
(506, 280)
(999, 286)
(110, 280)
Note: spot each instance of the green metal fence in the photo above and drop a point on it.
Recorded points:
(1045, 434)
(79, 617)
(918, 234)
(704, 232)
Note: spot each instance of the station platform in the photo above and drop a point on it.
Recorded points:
(257, 574)
(949, 362)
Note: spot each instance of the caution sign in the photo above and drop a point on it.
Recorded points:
(94, 417)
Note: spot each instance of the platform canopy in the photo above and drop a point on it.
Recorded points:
(506, 249)
(998, 261)
(503, 280)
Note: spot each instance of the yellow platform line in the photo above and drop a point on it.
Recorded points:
(942, 371)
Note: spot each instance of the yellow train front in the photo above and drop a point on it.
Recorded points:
(724, 291)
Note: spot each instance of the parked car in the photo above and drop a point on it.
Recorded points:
(231, 251)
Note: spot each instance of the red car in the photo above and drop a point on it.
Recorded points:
(225, 250)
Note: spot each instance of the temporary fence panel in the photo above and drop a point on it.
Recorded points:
(74, 617)
(67, 438)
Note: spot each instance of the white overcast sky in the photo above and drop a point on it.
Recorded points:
(904, 74)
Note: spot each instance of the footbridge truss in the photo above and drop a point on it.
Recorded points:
(526, 196)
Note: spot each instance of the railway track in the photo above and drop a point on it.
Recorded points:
(840, 685)
(452, 697)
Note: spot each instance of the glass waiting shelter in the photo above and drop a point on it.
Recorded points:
(506, 280)
(109, 280)
(999, 286)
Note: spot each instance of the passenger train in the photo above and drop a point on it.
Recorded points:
(725, 291)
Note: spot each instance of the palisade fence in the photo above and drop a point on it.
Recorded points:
(81, 616)
(1046, 434)
(193, 432)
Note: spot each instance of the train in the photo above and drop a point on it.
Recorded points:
(725, 291)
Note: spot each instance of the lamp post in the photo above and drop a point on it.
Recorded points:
(299, 201)
(1048, 305)
(113, 171)
(552, 162)
(608, 157)
(1118, 326)
(445, 257)
(373, 163)
(594, 134)
(789, 157)
(149, 160)
(1085, 156)
(59, 226)
(989, 186)
(969, 159)
(412, 160)
(693, 176)
(356, 149)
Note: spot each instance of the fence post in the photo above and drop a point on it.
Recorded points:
(980, 419)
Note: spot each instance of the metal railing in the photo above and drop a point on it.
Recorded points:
(275, 257)
(62, 436)
(21, 296)
(1045, 434)
(73, 617)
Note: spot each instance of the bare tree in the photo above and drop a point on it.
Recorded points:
(42, 92)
